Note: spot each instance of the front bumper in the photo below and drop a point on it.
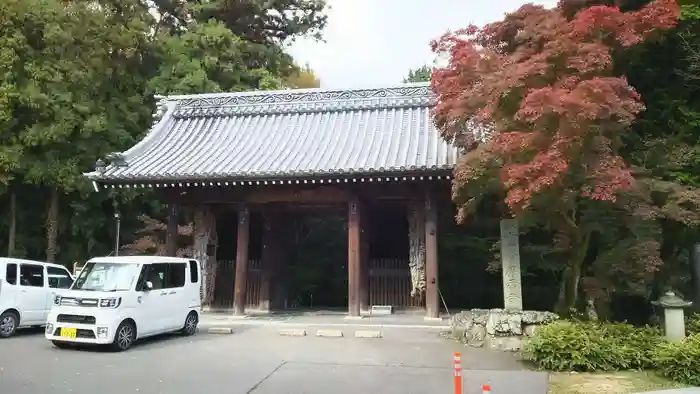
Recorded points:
(80, 325)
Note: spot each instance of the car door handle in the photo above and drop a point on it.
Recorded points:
(164, 293)
(172, 292)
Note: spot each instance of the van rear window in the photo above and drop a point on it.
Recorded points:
(194, 272)
(11, 273)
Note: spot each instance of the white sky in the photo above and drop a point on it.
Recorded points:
(375, 42)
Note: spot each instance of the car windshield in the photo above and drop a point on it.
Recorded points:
(107, 277)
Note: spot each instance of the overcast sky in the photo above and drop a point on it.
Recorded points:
(375, 42)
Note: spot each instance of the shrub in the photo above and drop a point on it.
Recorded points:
(680, 361)
(635, 345)
(692, 324)
(591, 346)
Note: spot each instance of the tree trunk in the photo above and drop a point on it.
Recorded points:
(13, 225)
(571, 277)
(560, 307)
(52, 227)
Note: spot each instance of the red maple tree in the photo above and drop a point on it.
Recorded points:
(538, 108)
(541, 84)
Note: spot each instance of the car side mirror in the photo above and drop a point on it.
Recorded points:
(149, 285)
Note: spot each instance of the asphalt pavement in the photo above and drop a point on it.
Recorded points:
(256, 359)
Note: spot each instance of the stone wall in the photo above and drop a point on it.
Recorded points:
(497, 328)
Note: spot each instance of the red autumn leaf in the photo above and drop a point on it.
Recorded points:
(541, 81)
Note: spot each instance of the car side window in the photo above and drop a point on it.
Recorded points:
(11, 273)
(176, 274)
(59, 278)
(194, 272)
(158, 275)
(31, 275)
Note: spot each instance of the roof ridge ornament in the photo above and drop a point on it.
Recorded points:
(117, 159)
(100, 166)
(379, 97)
(161, 108)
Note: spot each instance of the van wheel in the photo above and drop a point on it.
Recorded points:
(190, 327)
(124, 337)
(8, 324)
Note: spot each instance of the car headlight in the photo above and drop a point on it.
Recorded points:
(110, 302)
(57, 300)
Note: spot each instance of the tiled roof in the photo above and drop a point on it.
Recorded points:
(283, 134)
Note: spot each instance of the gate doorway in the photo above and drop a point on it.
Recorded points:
(317, 270)
(389, 273)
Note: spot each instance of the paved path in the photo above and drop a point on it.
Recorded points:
(255, 359)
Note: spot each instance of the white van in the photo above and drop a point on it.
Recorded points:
(27, 291)
(117, 300)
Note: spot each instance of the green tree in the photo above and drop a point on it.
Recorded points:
(265, 22)
(264, 26)
(76, 93)
(303, 78)
(208, 57)
(553, 110)
(420, 74)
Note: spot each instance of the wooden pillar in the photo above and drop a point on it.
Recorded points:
(510, 261)
(354, 256)
(364, 259)
(171, 232)
(243, 236)
(432, 306)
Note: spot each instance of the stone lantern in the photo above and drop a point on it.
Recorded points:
(674, 318)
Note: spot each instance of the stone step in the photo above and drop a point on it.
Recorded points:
(381, 310)
(341, 324)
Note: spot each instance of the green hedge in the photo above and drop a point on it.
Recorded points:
(591, 346)
(680, 361)
(692, 323)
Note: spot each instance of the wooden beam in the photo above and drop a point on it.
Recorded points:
(242, 242)
(319, 194)
(299, 193)
(171, 234)
(432, 309)
(354, 256)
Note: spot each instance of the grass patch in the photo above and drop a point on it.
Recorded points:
(608, 383)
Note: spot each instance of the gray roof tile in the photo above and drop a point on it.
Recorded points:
(288, 134)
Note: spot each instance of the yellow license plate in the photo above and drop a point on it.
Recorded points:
(68, 333)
